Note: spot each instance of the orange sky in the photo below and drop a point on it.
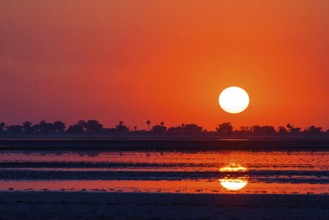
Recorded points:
(164, 61)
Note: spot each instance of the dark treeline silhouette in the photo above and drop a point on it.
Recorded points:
(94, 127)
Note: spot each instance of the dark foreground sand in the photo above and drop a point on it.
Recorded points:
(80, 205)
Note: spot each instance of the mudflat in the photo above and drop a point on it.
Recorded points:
(103, 205)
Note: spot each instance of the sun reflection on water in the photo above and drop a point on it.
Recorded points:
(233, 177)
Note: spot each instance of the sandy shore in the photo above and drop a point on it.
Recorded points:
(80, 205)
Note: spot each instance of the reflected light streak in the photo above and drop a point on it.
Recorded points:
(233, 177)
(233, 184)
(233, 167)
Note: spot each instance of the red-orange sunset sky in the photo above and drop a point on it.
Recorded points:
(164, 61)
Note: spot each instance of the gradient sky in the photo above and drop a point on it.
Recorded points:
(164, 60)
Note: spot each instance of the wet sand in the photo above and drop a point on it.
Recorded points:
(100, 205)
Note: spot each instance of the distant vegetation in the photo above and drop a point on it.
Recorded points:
(94, 127)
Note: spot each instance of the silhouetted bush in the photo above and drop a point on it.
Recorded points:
(158, 129)
(225, 128)
(91, 127)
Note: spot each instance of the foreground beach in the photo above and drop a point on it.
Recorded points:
(262, 180)
(100, 205)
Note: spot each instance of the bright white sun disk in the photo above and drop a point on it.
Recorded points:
(234, 100)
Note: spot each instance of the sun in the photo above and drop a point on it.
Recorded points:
(234, 100)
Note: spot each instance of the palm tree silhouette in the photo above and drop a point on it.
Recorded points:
(148, 122)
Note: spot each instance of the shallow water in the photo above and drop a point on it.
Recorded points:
(273, 172)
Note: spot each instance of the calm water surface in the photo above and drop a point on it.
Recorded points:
(275, 172)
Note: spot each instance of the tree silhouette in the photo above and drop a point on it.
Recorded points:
(121, 128)
(82, 125)
(27, 127)
(59, 126)
(244, 128)
(78, 128)
(225, 128)
(2, 126)
(185, 129)
(93, 126)
(282, 130)
(14, 129)
(44, 127)
(192, 129)
(158, 129)
(313, 130)
(293, 129)
(148, 122)
(263, 130)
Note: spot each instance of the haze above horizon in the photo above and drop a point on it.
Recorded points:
(164, 61)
